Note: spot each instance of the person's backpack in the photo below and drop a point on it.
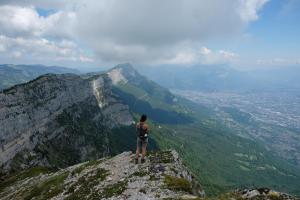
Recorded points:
(142, 133)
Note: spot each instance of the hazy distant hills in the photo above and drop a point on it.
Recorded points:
(280, 78)
(204, 78)
(261, 104)
(223, 78)
(16, 74)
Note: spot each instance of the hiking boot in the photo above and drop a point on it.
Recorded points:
(136, 161)
(143, 160)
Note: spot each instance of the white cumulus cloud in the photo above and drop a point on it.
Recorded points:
(41, 49)
(25, 22)
(248, 9)
(139, 31)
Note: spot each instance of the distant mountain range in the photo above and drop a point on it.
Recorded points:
(15, 74)
(56, 121)
(223, 78)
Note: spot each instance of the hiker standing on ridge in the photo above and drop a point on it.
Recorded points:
(142, 138)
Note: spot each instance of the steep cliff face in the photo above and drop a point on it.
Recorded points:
(162, 176)
(58, 120)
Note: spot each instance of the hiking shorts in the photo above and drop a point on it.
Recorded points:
(140, 142)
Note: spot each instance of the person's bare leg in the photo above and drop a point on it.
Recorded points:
(144, 150)
(137, 153)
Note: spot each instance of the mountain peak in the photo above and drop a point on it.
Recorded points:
(125, 66)
(162, 176)
(122, 72)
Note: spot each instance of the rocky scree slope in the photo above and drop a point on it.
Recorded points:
(162, 176)
(257, 194)
(58, 120)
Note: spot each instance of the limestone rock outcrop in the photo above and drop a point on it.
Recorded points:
(49, 120)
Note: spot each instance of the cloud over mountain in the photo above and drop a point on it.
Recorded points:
(140, 31)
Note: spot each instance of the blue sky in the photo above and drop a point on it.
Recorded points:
(278, 29)
(45, 12)
(89, 33)
(275, 35)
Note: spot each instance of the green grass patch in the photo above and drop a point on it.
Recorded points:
(114, 189)
(140, 173)
(177, 184)
(83, 188)
(79, 169)
(12, 179)
(47, 189)
(161, 157)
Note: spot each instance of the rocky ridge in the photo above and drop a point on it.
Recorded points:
(263, 194)
(162, 176)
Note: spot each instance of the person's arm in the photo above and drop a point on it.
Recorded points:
(137, 131)
(146, 128)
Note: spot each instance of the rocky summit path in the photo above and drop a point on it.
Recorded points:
(162, 176)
